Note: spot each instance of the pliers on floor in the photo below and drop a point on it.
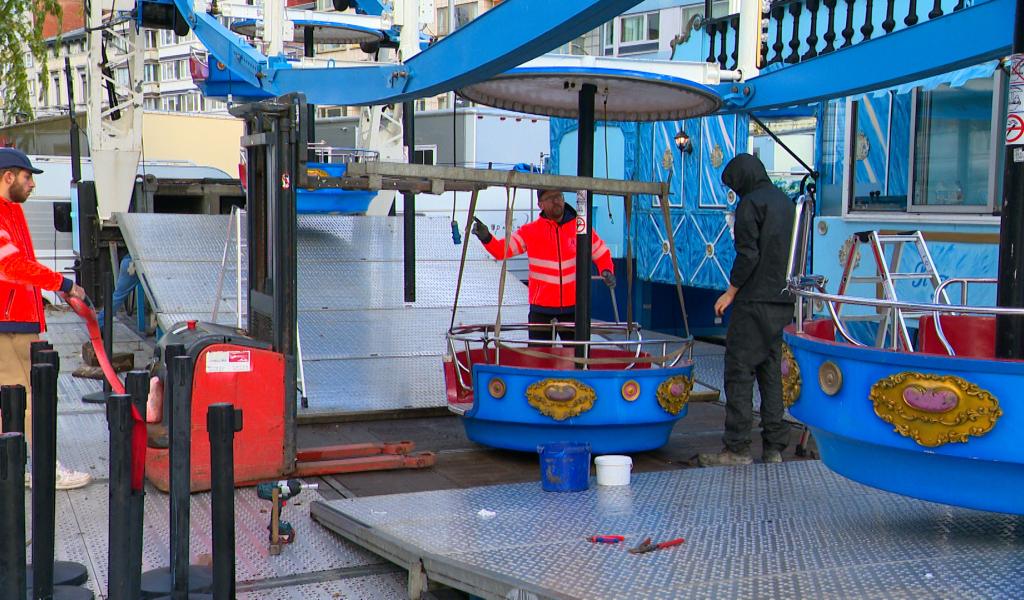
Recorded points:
(647, 546)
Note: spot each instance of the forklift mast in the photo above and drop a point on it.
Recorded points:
(275, 144)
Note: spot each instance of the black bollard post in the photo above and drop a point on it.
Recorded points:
(12, 407)
(137, 386)
(119, 424)
(44, 475)
(222, 421)
(180, 580)
(181, 471)
(36, 347)
(45, 571)
(13, 578)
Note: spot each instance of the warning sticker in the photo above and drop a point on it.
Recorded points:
(231, 361)
(581, 225)
(1015, 102)
(1014, 129)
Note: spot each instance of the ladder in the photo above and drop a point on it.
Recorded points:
(242, 250)
(887, 275)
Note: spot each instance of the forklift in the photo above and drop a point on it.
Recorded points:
(256, 369)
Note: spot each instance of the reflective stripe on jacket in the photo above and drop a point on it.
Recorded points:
(21, 276)
(551, 250)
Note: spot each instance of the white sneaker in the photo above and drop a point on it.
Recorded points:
(68, 479)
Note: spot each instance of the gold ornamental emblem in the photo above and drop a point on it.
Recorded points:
(717, 156)
(631, 390)
(496, 387)
(934, 410)
(561, 398)
(674, 393)
(667, 160)
(791, 383)
(830, 378)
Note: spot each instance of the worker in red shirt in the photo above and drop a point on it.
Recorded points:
(550, 245)
(21, 279)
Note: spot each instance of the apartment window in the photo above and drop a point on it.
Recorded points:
(167, 37)
(442, 21)
(639, 28)
(151, 72)
(32, 88)
(464, 13)
(174, 70)
(55, 91)
(121, 76)
(83, 85)
(151, 39)
(151, 103)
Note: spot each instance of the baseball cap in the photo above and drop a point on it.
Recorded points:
(12, 157)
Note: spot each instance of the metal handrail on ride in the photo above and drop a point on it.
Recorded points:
(812, 287)
(467, 336)
(965, 283)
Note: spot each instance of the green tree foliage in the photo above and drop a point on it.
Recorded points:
(22, 29)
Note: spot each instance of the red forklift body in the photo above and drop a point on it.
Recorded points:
(234, 369)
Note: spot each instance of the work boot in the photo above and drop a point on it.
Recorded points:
(771, 457)
(67, 479)
(725, 458)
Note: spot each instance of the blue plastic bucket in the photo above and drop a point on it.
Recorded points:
(564, 466)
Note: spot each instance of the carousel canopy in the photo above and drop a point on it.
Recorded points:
(627, 90)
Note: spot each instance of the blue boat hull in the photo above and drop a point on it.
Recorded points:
(982, 469)
(612, 425)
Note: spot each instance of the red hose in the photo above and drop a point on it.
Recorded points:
(84, 310)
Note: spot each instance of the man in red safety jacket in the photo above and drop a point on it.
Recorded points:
(21, 279)
(550, 245)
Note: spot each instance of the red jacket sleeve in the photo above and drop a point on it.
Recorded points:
(516, 245)
(601, 254)
(15, 267)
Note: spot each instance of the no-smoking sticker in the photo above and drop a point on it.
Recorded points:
(1014, 129)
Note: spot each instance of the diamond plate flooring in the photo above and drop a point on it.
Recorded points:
(354, 324)
(764, 531)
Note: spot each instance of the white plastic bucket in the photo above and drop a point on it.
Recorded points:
(613, 469)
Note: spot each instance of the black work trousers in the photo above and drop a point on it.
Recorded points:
(547, 333)
(753, 349)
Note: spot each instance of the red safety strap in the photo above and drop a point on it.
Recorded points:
(87, 313)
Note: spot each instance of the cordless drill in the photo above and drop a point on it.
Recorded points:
(279, 492)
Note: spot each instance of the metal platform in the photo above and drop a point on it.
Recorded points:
(794, 530)
(364, 349)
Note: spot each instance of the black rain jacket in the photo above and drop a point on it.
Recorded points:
(763, 230)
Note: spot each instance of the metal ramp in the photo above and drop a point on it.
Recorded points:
(794, 530)
(365, 351)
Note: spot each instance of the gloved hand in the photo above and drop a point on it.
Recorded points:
(609, 278)
(481, 231)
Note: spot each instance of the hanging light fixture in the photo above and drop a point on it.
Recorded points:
(683, 142)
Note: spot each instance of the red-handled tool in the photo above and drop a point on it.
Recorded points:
(84, 309)
(647, 546)
(606, 539)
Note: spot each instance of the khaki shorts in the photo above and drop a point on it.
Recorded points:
(15, 365)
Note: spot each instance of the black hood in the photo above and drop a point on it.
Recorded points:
(745, 173)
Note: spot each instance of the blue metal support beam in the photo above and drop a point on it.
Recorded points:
(509, 34)
(977, 33)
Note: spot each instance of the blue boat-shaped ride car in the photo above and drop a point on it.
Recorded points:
(932, 415)
(517, 395)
